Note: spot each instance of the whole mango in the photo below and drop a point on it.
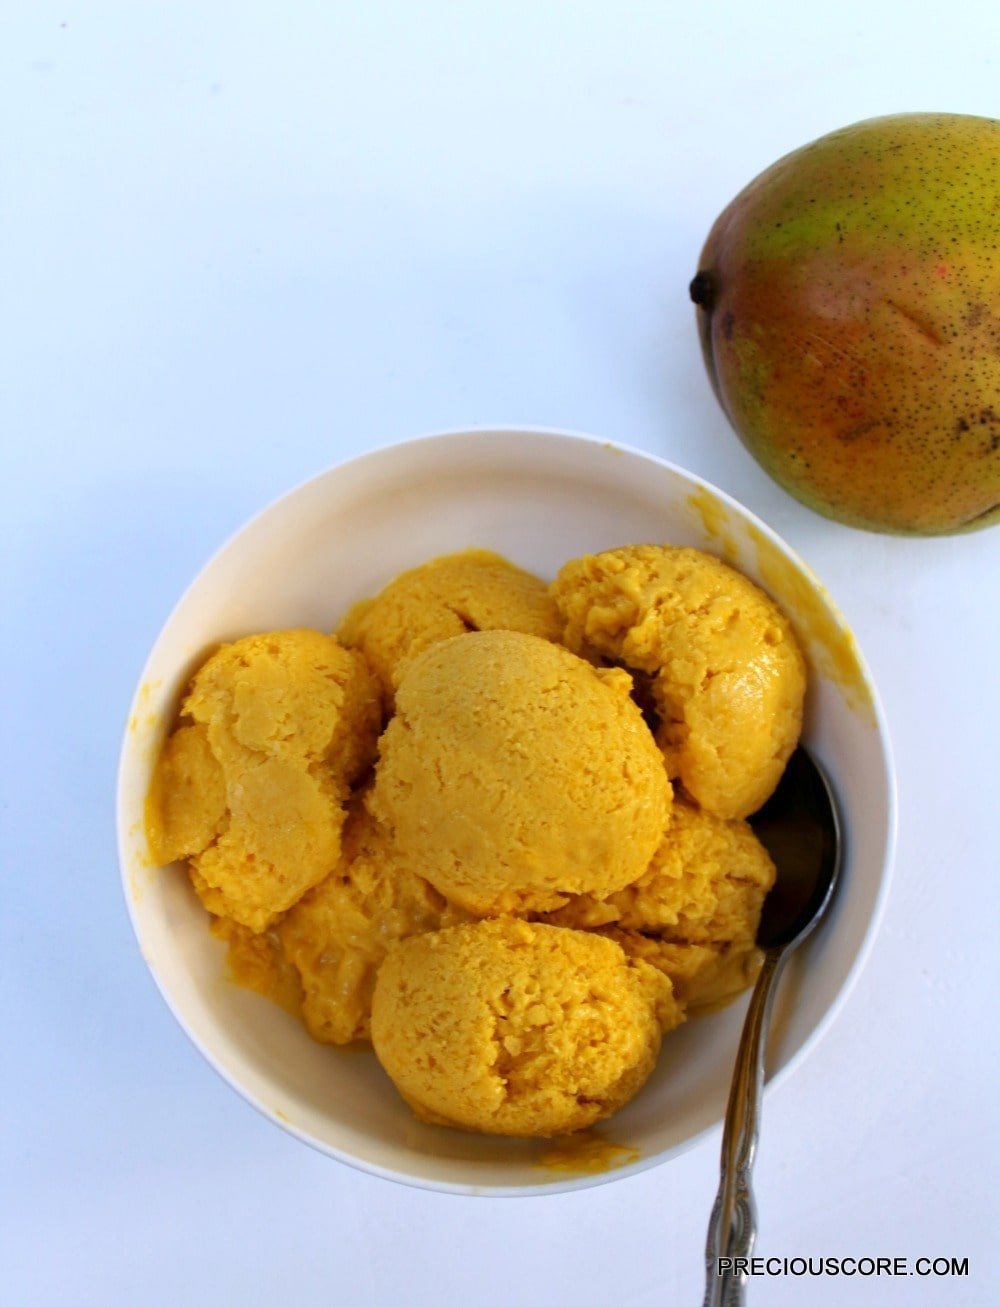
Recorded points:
(849, 311)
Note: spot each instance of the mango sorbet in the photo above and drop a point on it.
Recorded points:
(704, 976)
(500, 890)
(727, 676)
(511, 1027)
(472, 591)
(252, 786)
(705, 885)
(700, 900)
(339, 933)
(186, 808)
(514, 774)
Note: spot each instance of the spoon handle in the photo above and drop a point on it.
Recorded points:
(732, 1227)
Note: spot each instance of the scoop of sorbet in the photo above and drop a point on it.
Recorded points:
(514, 774)
(510, 1027)
(727, 677)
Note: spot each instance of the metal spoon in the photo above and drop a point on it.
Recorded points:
(799, 828)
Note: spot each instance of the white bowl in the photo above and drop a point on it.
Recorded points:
(539, 497)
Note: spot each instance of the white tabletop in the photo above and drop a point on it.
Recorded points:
(241, 241)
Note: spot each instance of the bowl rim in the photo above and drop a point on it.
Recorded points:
(772, 1083)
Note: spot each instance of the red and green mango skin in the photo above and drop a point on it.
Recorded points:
(851, 325)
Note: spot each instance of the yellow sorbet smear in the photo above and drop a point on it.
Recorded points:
(512, 1027)
(811, 611)
(471, 591)
(585, 1153)
(809, 607)
(338, 934)
(728, 678)
(515, 773)
(251, 785)
(716, 521)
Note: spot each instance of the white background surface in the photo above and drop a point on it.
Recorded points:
(239, 242)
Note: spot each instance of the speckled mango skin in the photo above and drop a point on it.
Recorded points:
(850, 322)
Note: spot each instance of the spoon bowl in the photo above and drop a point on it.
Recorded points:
(800, 829)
